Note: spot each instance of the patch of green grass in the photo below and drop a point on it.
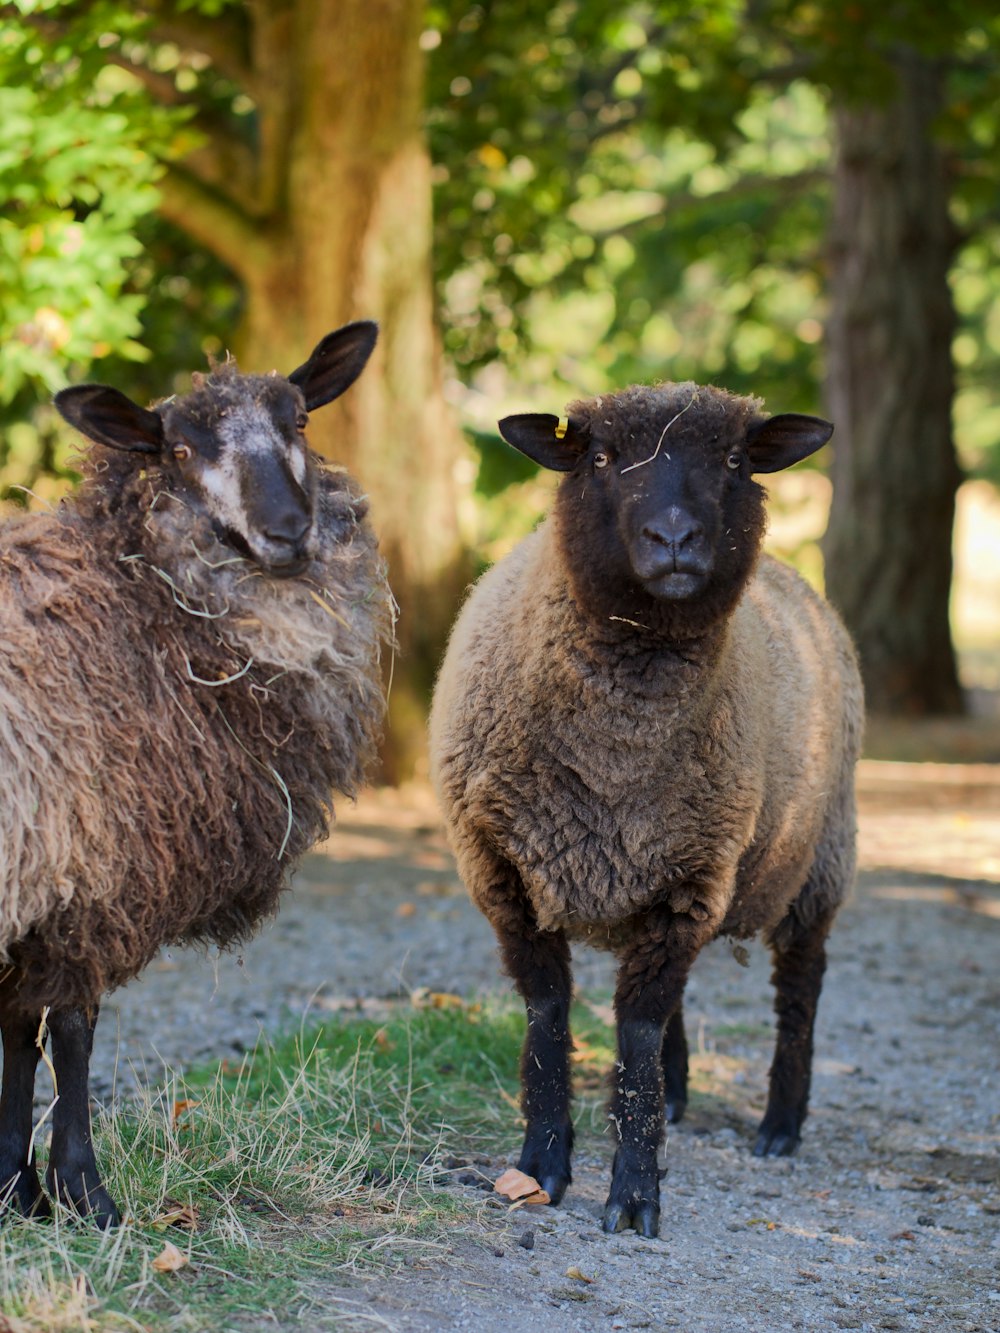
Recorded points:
(317, 1157)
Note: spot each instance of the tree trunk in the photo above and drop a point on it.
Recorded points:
(888, 546)
(340, 229)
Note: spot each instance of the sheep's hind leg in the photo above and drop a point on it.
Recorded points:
(19, 1185)
(538, 961)
(72, 1175)
(675, 1067)
(651, 980)
(799, 957)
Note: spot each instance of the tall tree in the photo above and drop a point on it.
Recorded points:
(890, 387)
(913, 91)
(310, 180)
(318, 196)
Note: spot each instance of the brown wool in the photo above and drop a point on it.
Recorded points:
(172, 724)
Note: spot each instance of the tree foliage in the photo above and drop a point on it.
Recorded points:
(627, 190)
(77, 177)
(654, 178)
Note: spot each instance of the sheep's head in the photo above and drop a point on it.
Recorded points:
(234, 448)
(660, 508)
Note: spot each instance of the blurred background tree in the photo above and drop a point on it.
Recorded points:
(622, 191)
(300, 166)
(714, 184)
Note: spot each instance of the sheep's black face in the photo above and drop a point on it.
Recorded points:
(660, 509)
(234, 449)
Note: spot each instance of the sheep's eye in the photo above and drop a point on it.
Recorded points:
(733, 461)
(182, 452)
(301, 421)
(601, 460)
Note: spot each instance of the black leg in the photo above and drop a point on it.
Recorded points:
(545, 1082)
(72, 1175)
(19, 1183)
(538, 962)
(675, 1067)
(651, 979)
(799, 964)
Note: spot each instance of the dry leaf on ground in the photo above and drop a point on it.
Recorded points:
(170, 1259)
(578, 1274)
(520, 1188)
(177, 1215)
(424, 998)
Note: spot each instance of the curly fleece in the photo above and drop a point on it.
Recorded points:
(172, 724)
(698, 757)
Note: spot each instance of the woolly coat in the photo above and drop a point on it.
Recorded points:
(713, 777)
(172, 724)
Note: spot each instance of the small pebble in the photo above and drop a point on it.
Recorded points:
(527, 1240)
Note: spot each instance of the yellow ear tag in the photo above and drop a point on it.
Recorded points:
(561, 429)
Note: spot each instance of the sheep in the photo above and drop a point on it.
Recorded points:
(189, 667)
(643, 736)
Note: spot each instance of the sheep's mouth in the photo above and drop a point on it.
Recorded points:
(279, 567)
(676, 585)
(287, 569)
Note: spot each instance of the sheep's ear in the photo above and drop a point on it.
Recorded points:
(336, 363)
(109, 417)
(781, 441)
(553, 443)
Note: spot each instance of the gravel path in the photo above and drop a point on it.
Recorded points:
(889, 1216)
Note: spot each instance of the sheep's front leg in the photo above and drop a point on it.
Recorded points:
(19, 1185)
(538, 962)
(72, 1175)
(799, 957)
(651, 978)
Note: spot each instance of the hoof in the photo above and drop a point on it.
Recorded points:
(642, 1217)
(778, 1141)
(22, 1196)
(675, 1110)
(546, 1157)
(554, 1187)
(94, 1206)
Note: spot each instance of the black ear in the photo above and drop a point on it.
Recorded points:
(109, 417)
(781, 441)
(538, 435)
(336, 363)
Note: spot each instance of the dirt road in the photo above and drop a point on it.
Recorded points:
(888, 1217)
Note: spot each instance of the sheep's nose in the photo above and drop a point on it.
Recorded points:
(288, 529)
(673, 529)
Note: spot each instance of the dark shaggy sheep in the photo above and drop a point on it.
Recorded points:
(643, 736)
(189, 668)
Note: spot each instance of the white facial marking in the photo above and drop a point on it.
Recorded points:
(221, 483)
(245, 434)
(298, 462)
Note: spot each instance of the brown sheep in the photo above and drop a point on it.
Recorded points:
(643, 737)
(189, 669)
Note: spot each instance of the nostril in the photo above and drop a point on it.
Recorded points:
(673, 530)
(288, 530)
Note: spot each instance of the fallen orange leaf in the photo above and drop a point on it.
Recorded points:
(580, 1276)
(406, 909)
(177, 1215)
(170, 1259)
(180, 1107)
(520, 1188)
(423, 998)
